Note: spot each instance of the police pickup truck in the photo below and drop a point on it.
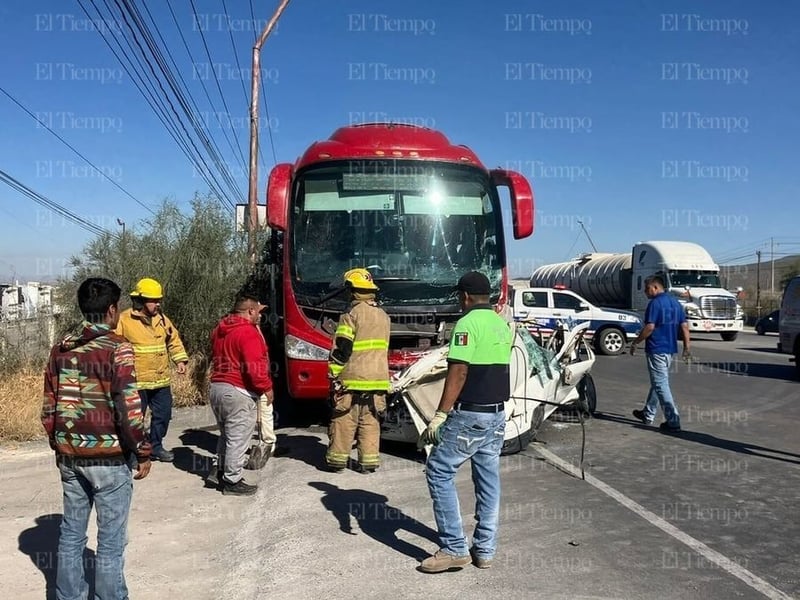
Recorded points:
(541, 310)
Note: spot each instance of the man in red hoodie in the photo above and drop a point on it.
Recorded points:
(239, 376)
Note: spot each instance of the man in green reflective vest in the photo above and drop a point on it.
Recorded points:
(359, 369)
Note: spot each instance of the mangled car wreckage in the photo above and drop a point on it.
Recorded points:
(543, 377)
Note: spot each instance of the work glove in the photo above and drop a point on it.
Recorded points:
(431, 434)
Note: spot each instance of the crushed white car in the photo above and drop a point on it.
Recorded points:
(543, 377)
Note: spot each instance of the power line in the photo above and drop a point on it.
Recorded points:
(51, 205)
(170, 81)
(202, 82)
(75, 150)
(239, 69)
(153, 100)
(216, 80)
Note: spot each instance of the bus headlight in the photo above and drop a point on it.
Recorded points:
(302, 350)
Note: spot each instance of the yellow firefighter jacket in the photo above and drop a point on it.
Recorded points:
(155, 341)
(360, 354)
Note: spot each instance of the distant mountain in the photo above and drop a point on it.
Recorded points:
(745, 276)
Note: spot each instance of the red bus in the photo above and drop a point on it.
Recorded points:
(402, 201)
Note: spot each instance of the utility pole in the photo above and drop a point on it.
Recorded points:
(121, 223)
(251, 215)
(758, 284)
(772, 265)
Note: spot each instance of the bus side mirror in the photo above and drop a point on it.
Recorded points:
(278, 189)
(521, 200)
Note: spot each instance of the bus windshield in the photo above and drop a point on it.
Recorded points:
(417, 227)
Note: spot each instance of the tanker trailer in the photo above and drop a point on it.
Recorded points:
(617, 280)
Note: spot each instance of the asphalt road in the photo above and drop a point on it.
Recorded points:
(709, 513)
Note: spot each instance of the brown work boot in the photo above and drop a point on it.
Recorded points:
(442, 561)
(481, 563)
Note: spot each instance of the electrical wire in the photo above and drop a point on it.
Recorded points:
(153, 100)
(76, 151)
(219, 87)
(128, 10)
(52, 205)
(201, 79)
(239, 68)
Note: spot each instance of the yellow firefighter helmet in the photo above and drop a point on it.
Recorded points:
(359, 279)
(148, 289)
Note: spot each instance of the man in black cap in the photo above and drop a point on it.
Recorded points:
(470, 424)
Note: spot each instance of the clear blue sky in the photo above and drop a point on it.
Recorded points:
(645, 120)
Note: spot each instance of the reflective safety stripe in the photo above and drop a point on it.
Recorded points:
(370, 460)
(374, 344)
(152, 385)
(148, 349)
(345, 331)
(180, 357)
(365, 385)
(337, 458)
(335, 369)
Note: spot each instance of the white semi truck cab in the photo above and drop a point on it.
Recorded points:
(692, 276)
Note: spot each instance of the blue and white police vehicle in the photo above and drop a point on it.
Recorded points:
(541, 309)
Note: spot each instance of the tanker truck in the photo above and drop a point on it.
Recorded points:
(617, 281)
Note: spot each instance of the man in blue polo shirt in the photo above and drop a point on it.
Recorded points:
(470, 425)
(663, 318)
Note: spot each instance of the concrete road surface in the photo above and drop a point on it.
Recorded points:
(710, 513)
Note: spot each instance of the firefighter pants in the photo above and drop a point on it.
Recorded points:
(355, 416)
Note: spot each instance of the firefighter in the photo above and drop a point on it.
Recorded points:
(155, 341)
(359, 370)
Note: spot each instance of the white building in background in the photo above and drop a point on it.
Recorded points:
(26, 300)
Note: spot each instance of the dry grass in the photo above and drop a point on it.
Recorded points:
(21, 399)
(191, 389)
(20, 404)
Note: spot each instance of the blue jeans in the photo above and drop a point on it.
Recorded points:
(159, 401)
(658, 369)
(109, 488)
(479, 437)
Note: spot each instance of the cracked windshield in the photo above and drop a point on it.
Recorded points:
(417, 229)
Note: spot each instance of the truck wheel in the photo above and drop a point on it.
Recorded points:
(729, 336)
(610, 341)
(587, 401)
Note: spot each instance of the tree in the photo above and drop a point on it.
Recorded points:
(199, 259)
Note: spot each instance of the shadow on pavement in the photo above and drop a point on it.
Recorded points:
(305, 448)
(749, 369)
(767, 350)
(710, 440)
(186, 459)
(40, 543)
(375, 517)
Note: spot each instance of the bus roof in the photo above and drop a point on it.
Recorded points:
(387, 141)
